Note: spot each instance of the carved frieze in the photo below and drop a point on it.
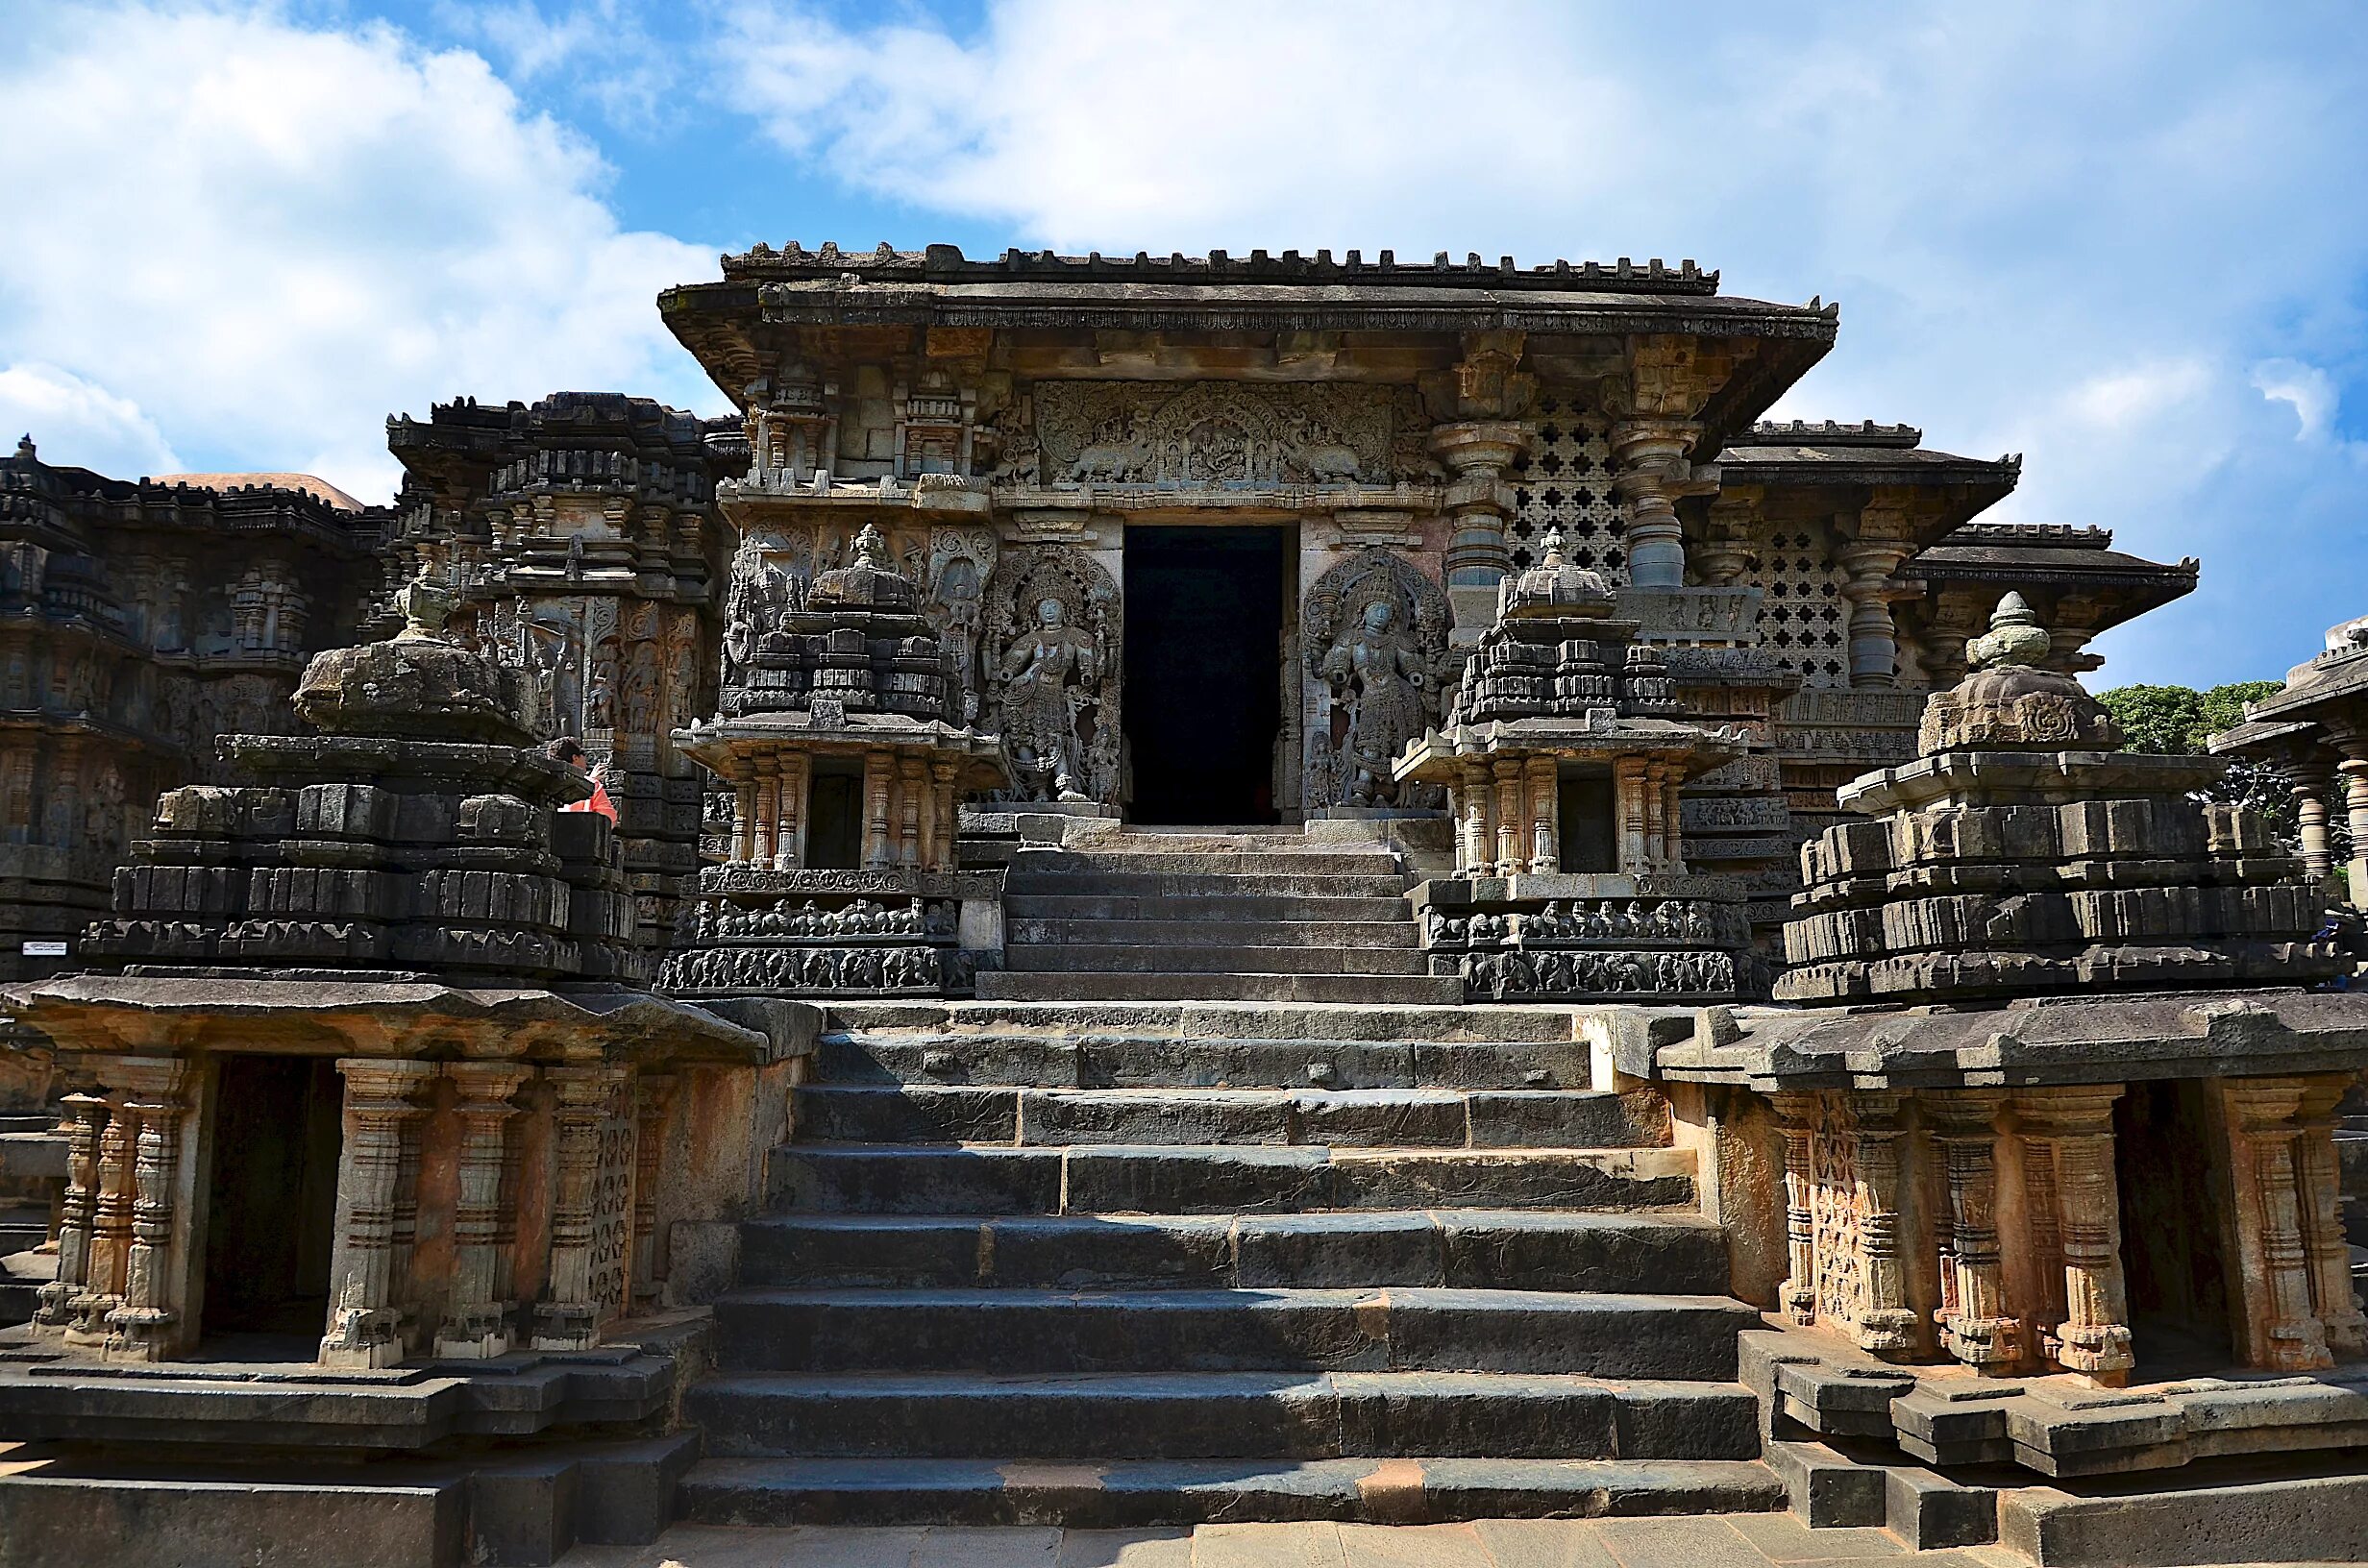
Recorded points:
(1226, 433)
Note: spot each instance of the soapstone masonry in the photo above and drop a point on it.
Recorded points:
(1154, 889)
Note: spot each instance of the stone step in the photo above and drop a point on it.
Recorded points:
(1475, 1249)
(1186, 860)
(1153, 1493)
(1183, 1179)
(1213, 932)
(1178, 884)
(1120, 1060)
(1130, 986)
(830, 1112)
(1198, 1415)
(1206, 908)
(1213, 1021)
(1254, 957)
(1414, 1329)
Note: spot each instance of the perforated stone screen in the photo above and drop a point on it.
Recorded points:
(1804, 620)
(1565, 481)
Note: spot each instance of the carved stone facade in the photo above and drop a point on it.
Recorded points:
(138, 623)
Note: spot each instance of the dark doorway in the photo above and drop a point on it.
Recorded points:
(1204, 701)
(271, 1207)
(1586, 813)
(834, 822)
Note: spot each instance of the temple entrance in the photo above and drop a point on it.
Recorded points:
(271, 1205)
(1203, 696)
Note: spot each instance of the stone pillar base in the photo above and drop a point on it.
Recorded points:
(361, 1338)
(475, 1333)
(567, 1326)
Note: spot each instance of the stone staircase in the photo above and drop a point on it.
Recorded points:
(1141, 1263)
(1247, 914)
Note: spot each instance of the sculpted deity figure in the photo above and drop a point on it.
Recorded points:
(1379, 674)
(1047, 673)
(754, 598)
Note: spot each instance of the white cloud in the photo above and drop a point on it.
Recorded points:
(82, 426)
(2306, 389)
(599, 48)
(2051, 231)
(269, 236)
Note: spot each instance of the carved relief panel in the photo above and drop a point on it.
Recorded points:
(1052, 660)
(1374, 630)
(1226, 433)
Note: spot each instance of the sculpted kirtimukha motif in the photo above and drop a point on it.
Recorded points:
(1053, 621)
(1377, 632)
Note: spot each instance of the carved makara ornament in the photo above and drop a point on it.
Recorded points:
(1053, 616)
(1377, 632)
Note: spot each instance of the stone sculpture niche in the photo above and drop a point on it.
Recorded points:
(1052, 662)
(1375, 629)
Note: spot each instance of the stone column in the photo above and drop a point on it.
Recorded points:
(1628, 803)
(363, 1316)
(912, 778)
(1795, 1120)
(2355, 771)
(1874, 640)
(1885, 1325)
(569, 1316)
(946, 811)
(879, 847)
(767, 812)
(1673, 814)
(144, 1327)
(1477, 841)
(1476, 454)
(2319, 1180)
(1977, 1330)
(110, 1229)
(2281, 1321)
(2311, 785)
(1650, 472)
(1656, 800)
(744, 822)
(2078, 1124)
(476, 1322)
(1546, 848)
(654, 1095)
(1511, 851)
(86, 1117)
(789, 836)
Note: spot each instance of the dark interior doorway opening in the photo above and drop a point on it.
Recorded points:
(271, 1203)
(834, 817)
(1203, 699)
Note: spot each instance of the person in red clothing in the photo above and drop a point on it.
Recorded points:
(566, 749)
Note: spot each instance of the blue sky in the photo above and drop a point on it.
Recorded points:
(2128, 241)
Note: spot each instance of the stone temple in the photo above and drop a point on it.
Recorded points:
(1154, 889)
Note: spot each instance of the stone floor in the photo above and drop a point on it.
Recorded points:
(1748, 1541)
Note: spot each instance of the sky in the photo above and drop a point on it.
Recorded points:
(2127, 241)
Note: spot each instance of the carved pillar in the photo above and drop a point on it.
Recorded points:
(1885, 1325)
(1628, 801)
(878, 848)
(2078, 1124)
(744, 822)
(2280, 1321)
(2355, 771)
(1874, 640)
(1726, 552)
(1798, 1298)
(654, 1095)
(144, 1328)
(86, 1117)
(1475, 454)
(946, 813)
(1545, 816)
(477, 1316)
(1650, 472)
(568, 1318)
(110, 1229)
(789, 813)
(2311, 785)
(1976, 1328)
(911, 779)
(363, 1316)
(768, 811)
(1673, 819)
(2319, 1182)
(1477, 840)
(1511, 851)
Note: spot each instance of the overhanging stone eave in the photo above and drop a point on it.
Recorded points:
(150, 1014)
